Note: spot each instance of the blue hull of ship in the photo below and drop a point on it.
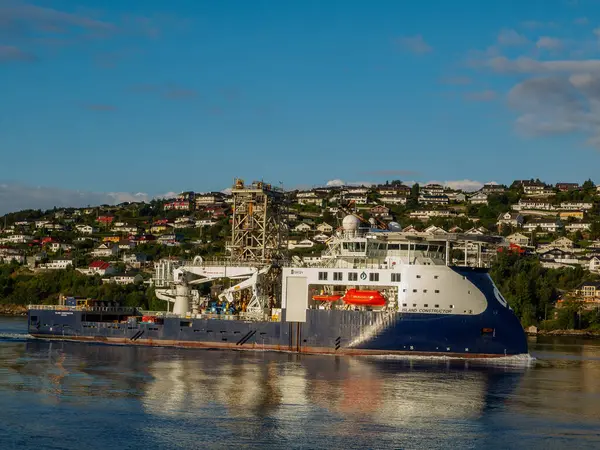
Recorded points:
(495, 332)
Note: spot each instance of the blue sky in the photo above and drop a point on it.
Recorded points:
(124, 96)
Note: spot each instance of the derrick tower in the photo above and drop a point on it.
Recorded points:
(259, 224)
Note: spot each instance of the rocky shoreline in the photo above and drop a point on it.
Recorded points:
(567, 333)
(13, 310)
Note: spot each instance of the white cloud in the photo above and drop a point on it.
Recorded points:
(415, 44)
(549, 43)
(558, 105)
(510, 37)
(337, 182)
(463, 185)
(529, 65)
(16, 197)
(481, 96)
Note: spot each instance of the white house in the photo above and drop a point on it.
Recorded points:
(124, 278)
(518, 239)
(479, 199)
(433, 199)
(105, 250)
(56, 246)
(578, 226)
(510, 219)
(320, 237)
(429, 213)
(16, 239)
(85, 229)
(550, 225)
(594, 264)
(393, 200)
(56, 264)
(530, 204)
(325, 228)
(135, 260)
(576, 205)
(302, 227)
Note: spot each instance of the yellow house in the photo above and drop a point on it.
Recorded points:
(574, 214)
(158, 228)
(115, 239)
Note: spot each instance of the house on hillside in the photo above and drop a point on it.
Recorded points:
(302, 228)
(578, 226)
(490, 188)
(427, 199)
(393, 199)
(124, 278)
(511, 219)
(325, 228)
(479, 199)
(549, 225)
(98, 268)
(135, 260)
(564, 187)
(105, 250)
(518, 239)
(56, 264)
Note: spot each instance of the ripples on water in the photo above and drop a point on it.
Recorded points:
(62, 395)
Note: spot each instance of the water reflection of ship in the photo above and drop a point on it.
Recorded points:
(389, 392)
(170, 383)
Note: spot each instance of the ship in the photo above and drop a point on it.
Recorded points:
(375, 290)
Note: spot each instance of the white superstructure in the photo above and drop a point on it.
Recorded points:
(409, 270)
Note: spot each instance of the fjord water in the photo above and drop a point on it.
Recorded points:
(63, 395)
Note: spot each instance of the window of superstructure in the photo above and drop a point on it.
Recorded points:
(393, 246)
(352, 276)
(437, 291)
(418, 276)
(435, 277)
(373, 277)
(337, 276)
(436, 306)
(322, 276)
(425, 305)
(404, 304)
(395, 277)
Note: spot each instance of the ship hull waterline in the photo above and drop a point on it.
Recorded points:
(260, 347)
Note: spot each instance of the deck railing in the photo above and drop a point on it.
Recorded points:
(100, 309)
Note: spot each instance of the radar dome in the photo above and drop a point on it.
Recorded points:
(394, 226)
(350, 223)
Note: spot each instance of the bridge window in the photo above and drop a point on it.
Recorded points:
(424, 291)
(435, 277)
(373, 277)
(322, 276)
(418, 276)
(352, 276)
(425, 305)
(437, 291)
(395, 278)
(437, 306)
(337, 276)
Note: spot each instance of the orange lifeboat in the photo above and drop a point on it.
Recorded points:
(327, 298)
(364, 298)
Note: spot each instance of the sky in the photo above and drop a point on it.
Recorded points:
(117, 100)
